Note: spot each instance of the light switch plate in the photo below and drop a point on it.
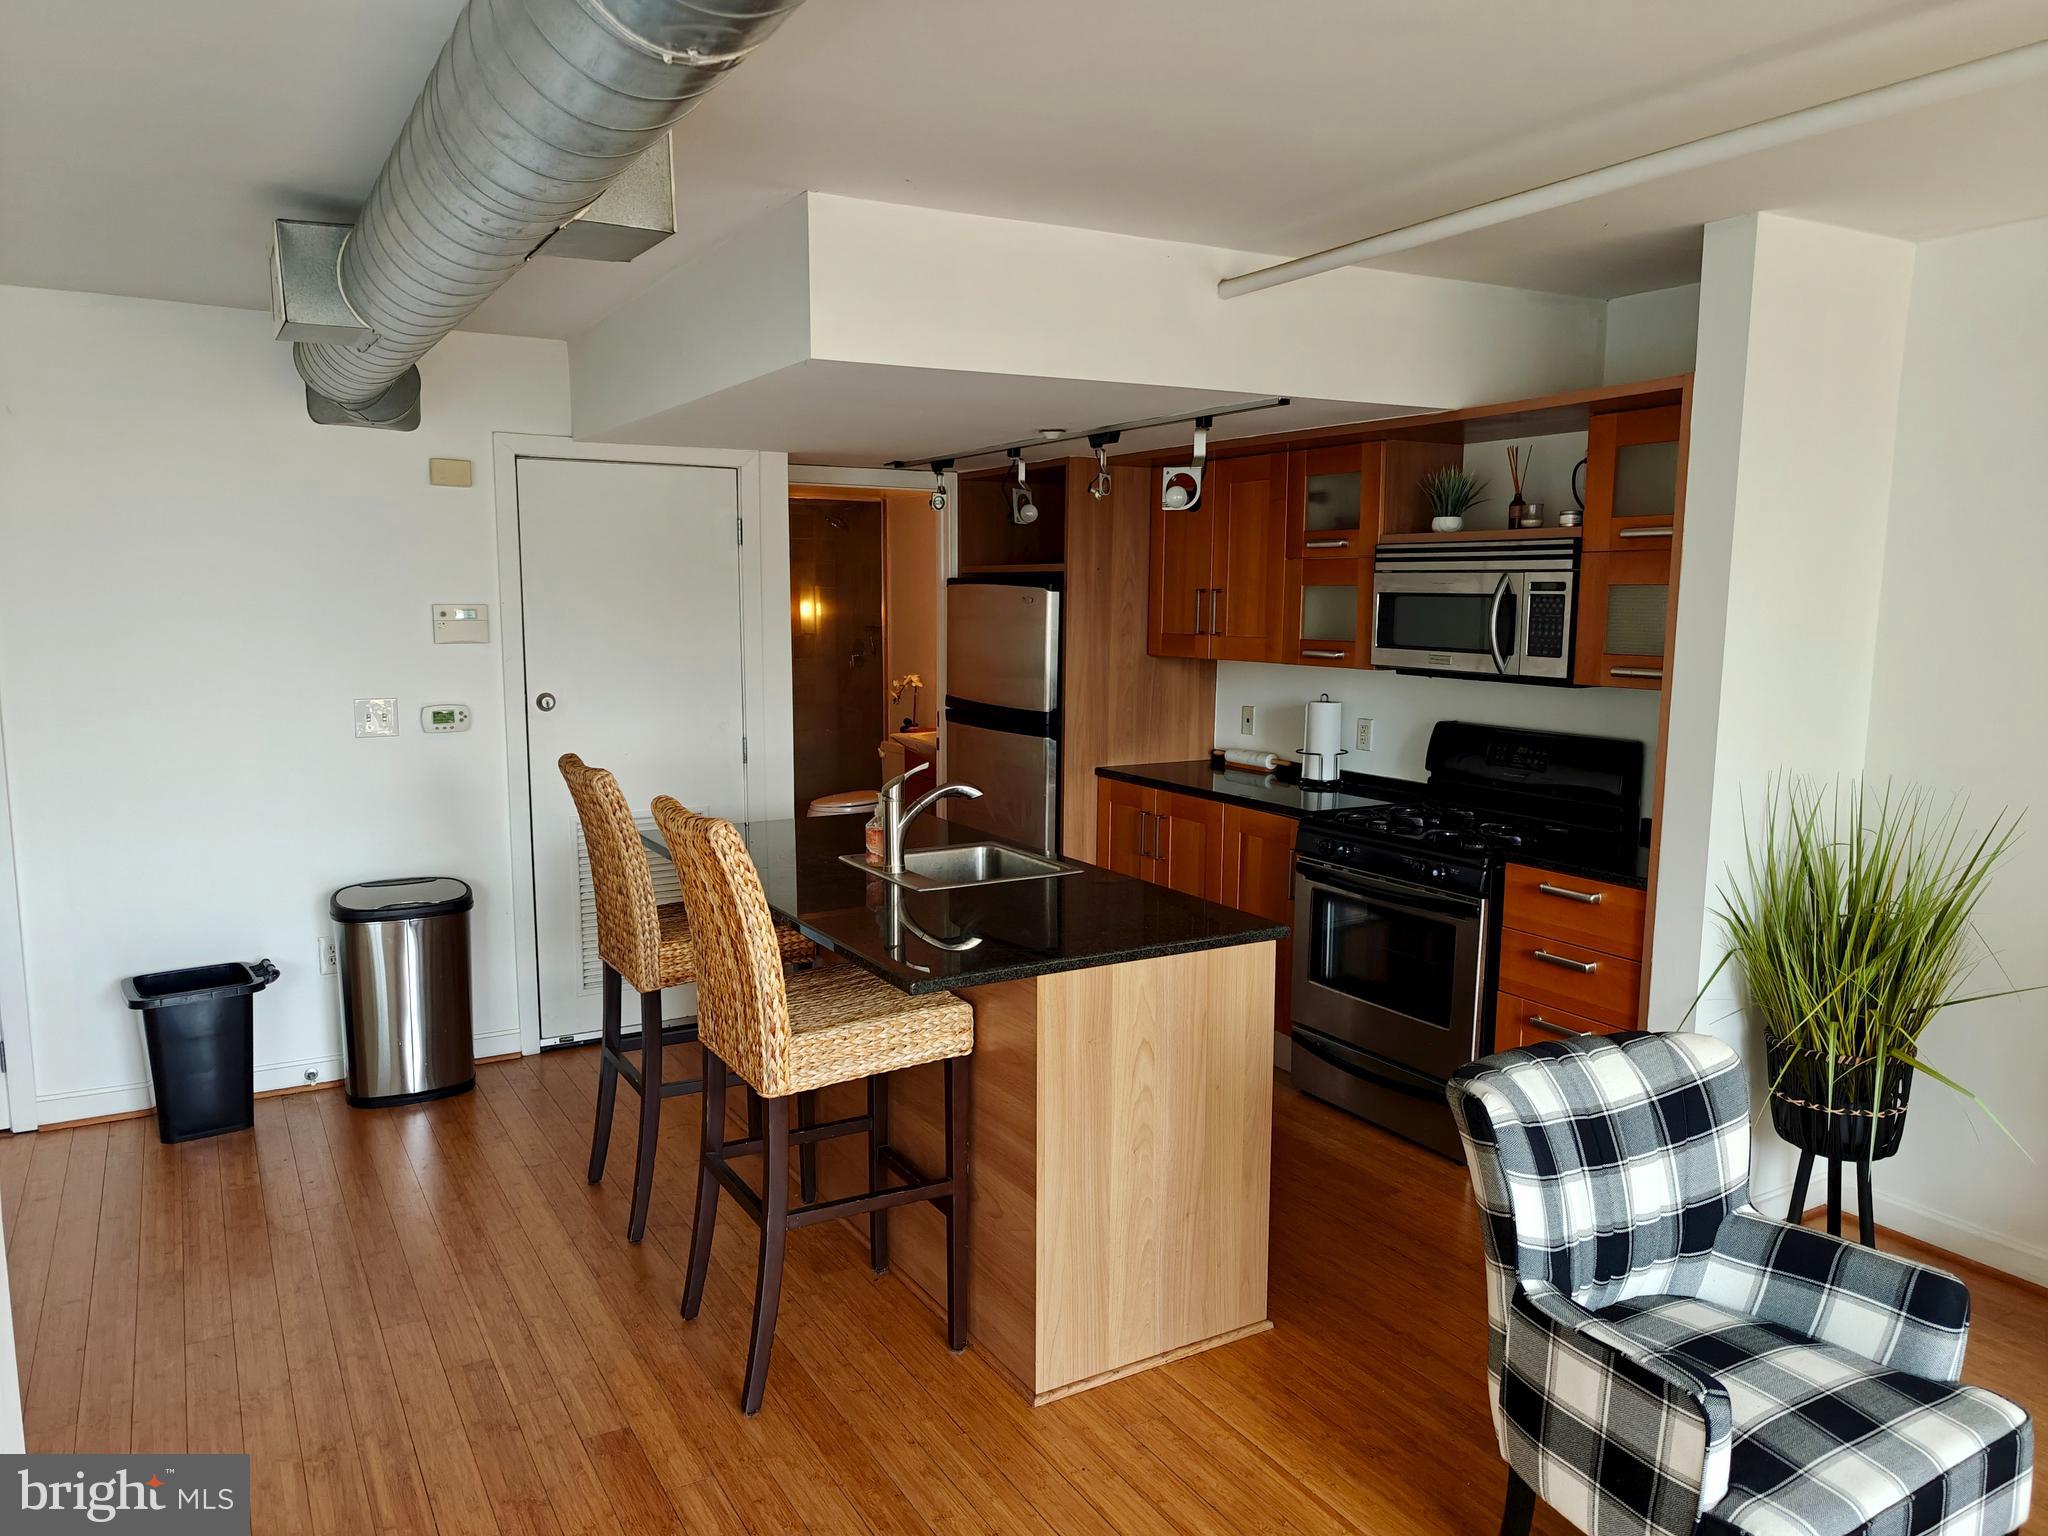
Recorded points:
(462, 623)
(1247, 720)
(450, 472)
(376, 717)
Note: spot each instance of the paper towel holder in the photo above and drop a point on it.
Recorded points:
(1318, 768)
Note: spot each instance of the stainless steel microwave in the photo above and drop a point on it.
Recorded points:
(1501, 608)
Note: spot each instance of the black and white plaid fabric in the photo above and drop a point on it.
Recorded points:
(1665, 1361)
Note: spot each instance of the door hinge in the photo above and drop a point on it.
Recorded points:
(743, 749)
(3, 1058)
(740, 527)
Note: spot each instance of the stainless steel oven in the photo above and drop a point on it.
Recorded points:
(1489, 608)
(1389, 995)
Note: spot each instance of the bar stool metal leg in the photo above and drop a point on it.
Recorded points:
(959, 1078)
(650, 1113)
(711, 1146)
(607, 1076)
(878, 1142)
(774, 1235)
(1866, 1205)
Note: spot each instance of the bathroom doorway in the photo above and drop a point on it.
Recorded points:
(865, 584)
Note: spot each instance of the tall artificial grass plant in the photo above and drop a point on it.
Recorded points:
(1852, 930)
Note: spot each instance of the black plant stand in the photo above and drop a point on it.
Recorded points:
(1866, 1218)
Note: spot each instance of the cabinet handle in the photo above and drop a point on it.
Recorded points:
(1537, 1021)
(1656, 672)
(1644, 533)
(1144, 834)
(1200, 628)
(1326, 544)
(1325, 655)
(1583, 967)
(1215, 610)
(1590, 898)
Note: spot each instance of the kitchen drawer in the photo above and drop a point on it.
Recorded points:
(1541, 901)
(1572, 977)
(1515, 1023)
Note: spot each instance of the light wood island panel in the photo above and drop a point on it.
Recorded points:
(1122, 1156)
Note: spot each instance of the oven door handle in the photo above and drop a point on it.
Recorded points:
(1493, 621)
(1393, 893)
(1349, 1059)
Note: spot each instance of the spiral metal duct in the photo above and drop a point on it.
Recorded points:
(533, 107)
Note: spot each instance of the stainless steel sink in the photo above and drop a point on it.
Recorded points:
(945, 869)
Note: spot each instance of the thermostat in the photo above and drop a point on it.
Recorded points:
(438, 719)
(462, 623)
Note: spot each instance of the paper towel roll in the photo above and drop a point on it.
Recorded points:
(1322, 738)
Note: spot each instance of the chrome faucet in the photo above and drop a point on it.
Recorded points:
(897, 817)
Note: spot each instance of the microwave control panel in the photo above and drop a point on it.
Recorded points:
(1546, 620)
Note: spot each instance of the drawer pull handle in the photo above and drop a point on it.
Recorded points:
(1537, 1021)
(1645, 533)
(1656, 672)
(1326, 544)
(1583, 967)
(1590, 898)
(1325, 655)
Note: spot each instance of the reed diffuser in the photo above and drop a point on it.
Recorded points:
(1519, 513)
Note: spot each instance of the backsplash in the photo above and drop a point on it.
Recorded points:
(1403, 708)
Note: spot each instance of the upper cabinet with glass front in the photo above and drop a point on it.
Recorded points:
(1333, 501)
(1632, 489)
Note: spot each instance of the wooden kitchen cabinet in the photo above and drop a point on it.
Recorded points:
(1624, 619)
(1258, 877)
(1329, 620)
(1123, 838)
(1572, 948)
(1168, 839)
(1633, 491)
(1333, 501)
(1216, 588)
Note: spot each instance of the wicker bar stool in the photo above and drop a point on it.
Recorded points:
(648, 945)
(786, 1036)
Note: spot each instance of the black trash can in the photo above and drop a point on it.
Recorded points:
(201, 1028)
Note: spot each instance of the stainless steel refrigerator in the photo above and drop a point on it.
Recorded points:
(1003, 705)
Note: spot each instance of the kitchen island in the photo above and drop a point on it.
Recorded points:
(1122, 1106)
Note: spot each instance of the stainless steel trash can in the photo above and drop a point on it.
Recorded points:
(404, 959)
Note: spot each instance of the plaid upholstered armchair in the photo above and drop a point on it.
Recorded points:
(1665, 1361)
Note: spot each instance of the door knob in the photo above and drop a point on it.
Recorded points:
(544, 702)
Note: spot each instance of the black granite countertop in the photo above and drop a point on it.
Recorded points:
(1617, 860)
(928, 941)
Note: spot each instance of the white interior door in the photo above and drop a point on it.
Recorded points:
(630, 586)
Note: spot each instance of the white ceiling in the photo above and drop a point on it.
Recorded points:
(145, 147)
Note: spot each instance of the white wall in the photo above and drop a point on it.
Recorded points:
(195, 583)
(1652, 335)
(1802, 335)
(1959, 702)
(1402, 710)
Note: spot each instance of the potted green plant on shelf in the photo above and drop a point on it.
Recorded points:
(1851, 931)
(1451, 492)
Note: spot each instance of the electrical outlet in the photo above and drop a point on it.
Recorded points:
(330, 959)
(1364, 734)
(1247, 720)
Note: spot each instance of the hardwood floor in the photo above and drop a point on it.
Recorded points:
(424, 1320)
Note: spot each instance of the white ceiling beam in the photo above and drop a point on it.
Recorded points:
(1927, 90)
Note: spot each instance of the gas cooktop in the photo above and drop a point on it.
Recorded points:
(1453, 828)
